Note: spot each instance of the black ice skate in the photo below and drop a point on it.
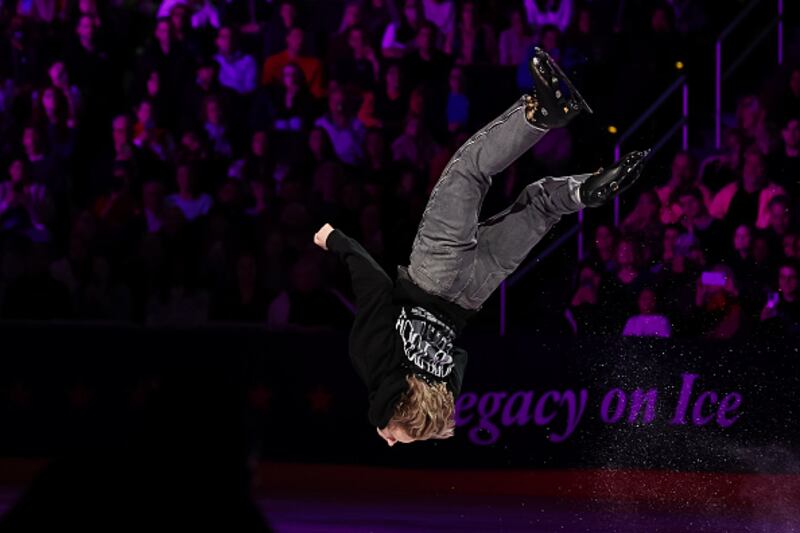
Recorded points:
(556, 101)
(605, 184)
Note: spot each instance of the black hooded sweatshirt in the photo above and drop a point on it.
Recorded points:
(399, 330)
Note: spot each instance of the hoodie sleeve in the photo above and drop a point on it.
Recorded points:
(371, 284)
(373, 340)
(456, 377)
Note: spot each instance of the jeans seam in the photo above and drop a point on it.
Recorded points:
(457, 157)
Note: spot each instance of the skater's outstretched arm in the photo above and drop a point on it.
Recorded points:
(371, 285)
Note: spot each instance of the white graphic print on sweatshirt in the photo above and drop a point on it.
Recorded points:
(427, 341)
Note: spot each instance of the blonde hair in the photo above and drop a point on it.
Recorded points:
(425, 411)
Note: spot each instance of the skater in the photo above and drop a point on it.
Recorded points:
(401, 343)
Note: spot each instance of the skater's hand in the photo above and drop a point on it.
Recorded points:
(321, 237)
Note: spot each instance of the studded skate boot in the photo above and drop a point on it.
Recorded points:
(555, 101)
(605, 184)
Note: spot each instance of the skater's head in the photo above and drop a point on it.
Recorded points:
(425, 411)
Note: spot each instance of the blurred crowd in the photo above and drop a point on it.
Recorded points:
(167, 162)
(713, 250)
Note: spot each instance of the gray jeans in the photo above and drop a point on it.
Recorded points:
(462, 260)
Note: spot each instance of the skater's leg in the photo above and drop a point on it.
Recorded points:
(447, 234)
(505, 239)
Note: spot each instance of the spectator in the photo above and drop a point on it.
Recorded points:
(206, 84)
(683, 177)
(191, 203)
(557, 13)
(59, 78)
(304, 306)
(720, 169)
(284, 18)
(180, 302)
(183, 34)
(426, 64)
(173, 64)
(203, 12)
(605, 246)
(623, 286)
(357, 65)
(790, 245)
(245, 300)
(515, 41)
(86, 59)
(292, 106)
(751, 119)
(457, 102)
(472, 43)
(153, 204)
(366, 112)
(258, 164)
(696, 220)
(585, 46)
(415, 146)
(346, 132)
(643, 222)
(391, 102)
(747, 200)
(43, 167)
(148, 136)
(755, 277)
(782, 310)
(51, 115)
(377, 163)
(398, 38)
(311, 66)
(785, 165)
(216, 128)
(789, 101)
(719, 313)
(72, 270)
(442, 13)
(647, 323)
(237, 71)
(337, 43)
(103, 297)
(583, 314)
(24, 204)
(116, 209)
(779, 216)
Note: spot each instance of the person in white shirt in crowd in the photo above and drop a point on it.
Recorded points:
(193, 204)
(648, 323)
(237, 70)
(346, 132)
